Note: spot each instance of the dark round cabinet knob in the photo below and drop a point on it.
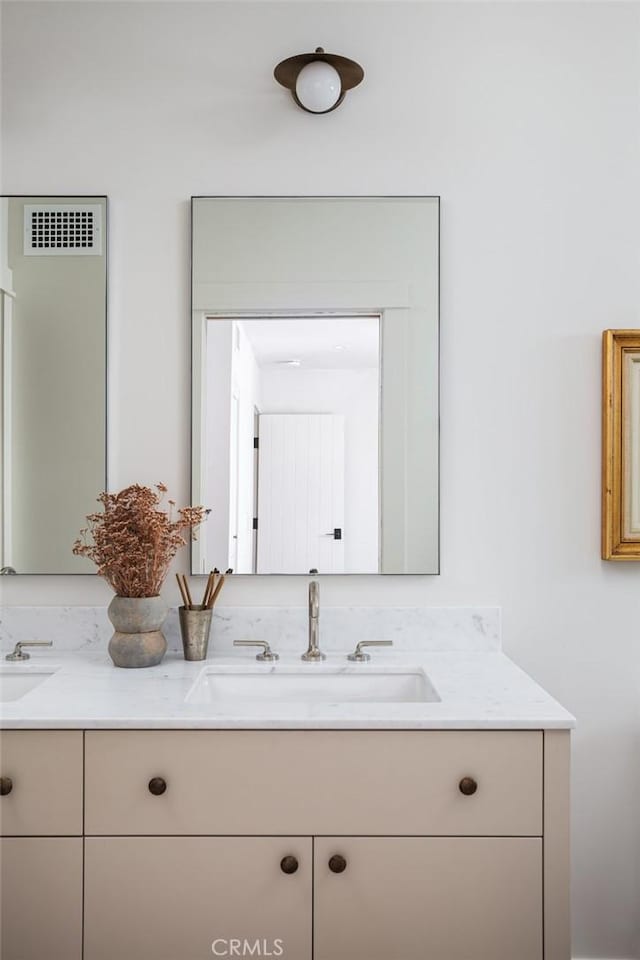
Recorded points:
(6, 786)
(289, 864)
(157, 786)
(337, 864)
(468, 786)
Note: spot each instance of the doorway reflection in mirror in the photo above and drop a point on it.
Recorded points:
(292, 412)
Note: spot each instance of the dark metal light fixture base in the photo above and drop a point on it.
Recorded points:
(350, 72)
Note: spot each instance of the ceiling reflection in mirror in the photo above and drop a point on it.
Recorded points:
(315, 385)
(53, 282)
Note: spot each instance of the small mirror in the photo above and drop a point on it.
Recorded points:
(315, 384)
(53, 283)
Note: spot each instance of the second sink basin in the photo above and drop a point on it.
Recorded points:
(314, 684)
(15, 682)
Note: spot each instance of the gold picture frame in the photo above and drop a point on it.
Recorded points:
(621, 445)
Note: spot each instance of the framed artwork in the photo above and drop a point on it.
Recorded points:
(621, 445)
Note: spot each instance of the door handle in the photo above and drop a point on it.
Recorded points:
(336, 533)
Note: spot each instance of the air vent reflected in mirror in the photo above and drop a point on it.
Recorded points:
(62, 229)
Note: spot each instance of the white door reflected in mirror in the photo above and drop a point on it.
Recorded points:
(301, 476)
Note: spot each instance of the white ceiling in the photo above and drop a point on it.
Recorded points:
(320, 343)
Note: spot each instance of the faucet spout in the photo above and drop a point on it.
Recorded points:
(313, 652)
(314, 599)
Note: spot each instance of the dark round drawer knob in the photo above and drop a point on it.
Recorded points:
(6, 786)
(468, 786)
(337, 864)
(157, 786)
(289, 864)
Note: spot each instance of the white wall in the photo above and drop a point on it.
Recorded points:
(524, 117)
(354, 394)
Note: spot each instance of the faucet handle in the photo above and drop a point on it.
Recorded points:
(267, 652)
(359, 657)
(18, 653)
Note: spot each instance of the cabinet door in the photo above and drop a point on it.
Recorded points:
(467, 898)
(41, 898)
(194, 898)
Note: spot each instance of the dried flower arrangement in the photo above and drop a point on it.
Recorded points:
(134, 541)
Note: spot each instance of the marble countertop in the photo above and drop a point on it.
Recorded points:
(477, 690)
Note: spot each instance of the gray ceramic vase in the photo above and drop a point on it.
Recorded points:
(138, 640)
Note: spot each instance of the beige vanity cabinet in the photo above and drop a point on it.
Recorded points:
(331, 844)
(454, 843)
(41, 845)
(409, 898)
(191, 898)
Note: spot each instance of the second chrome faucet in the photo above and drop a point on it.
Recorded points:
(314, 653)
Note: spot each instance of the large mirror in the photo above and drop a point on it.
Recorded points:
(315, 384)
(53, 323)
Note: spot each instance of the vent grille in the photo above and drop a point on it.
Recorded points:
(62, 229)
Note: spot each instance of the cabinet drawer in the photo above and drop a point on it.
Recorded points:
(45, 770)
(314, 782)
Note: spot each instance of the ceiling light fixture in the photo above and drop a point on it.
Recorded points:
(318, 81)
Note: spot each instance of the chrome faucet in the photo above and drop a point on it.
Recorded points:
(18, 652)
(314, 652)
(359, 656)
(267, 652)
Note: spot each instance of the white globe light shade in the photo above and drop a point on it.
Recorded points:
(318, 86)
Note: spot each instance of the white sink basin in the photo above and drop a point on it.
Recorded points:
(314, 684)
(15, 682)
